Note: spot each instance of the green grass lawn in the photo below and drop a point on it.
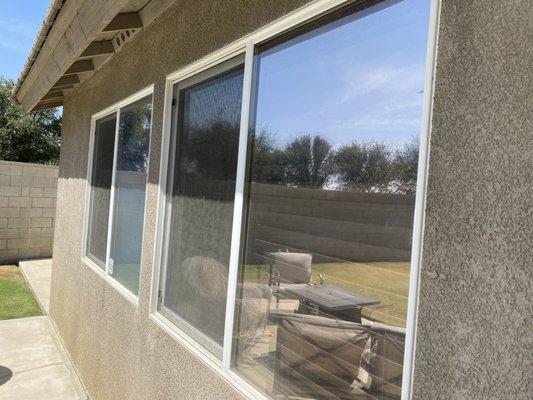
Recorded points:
(16, 299)
(387, 282)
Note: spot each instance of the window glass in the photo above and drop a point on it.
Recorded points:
(102, 173)
(130, 190)
(201, 209)
(324, 276)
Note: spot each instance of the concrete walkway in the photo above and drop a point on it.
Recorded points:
(38, 274)
(33, 364)
(31, 352)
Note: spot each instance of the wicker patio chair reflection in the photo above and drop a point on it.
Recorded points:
(324, 358)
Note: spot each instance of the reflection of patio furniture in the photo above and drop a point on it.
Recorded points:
(253, 306)
(319, 357)
(203, 300)
(330, 301)
(388, 343)
(289, 270)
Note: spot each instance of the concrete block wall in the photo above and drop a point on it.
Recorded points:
(27, 210)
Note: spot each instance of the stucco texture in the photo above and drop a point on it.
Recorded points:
(475, 308)
(118, 351)
(474, 334)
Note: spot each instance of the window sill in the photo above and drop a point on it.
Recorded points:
(112, 282)
(208, 359)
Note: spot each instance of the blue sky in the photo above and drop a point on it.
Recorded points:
(361, 80)
(19, 22)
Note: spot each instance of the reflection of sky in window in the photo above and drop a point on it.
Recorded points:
(360, 81)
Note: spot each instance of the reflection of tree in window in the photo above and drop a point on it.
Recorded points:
(204, 156)
(310, 161)
(208, 137)
(134, 137)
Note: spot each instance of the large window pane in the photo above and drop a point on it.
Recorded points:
(202, 198)
(321, 309)
(130, 189)
(101, 176)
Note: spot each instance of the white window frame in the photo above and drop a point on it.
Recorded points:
(105, 273)
(246, 46)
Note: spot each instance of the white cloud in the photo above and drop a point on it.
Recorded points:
(389, 79)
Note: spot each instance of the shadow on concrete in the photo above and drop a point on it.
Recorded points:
(5, 374)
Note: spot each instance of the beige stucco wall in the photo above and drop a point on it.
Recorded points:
(474, 291)
(118, 351)
(474, 322)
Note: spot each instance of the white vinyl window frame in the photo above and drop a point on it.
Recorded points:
(104, 270)
(245, 47)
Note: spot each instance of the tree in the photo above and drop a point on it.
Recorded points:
(135, 137)
(363, 166)
(27, 137)
(269, 163)
(211, 151)
(306, 161)
(405, 166)
(320, 150)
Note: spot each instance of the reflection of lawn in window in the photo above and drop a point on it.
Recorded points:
(128, 276)
(387, 282)
(16, 300)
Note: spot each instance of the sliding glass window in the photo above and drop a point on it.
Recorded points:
(301, 220)
(117, 192)
(330, 204)
(204, 147)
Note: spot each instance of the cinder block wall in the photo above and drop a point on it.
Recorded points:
(27, 210)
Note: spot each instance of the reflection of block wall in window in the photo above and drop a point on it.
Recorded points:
(378, 225)
(130, 194)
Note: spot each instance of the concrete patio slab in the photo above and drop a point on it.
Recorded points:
(41, 370)
(38, 274)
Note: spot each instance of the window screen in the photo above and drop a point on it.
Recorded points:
(202, 199)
